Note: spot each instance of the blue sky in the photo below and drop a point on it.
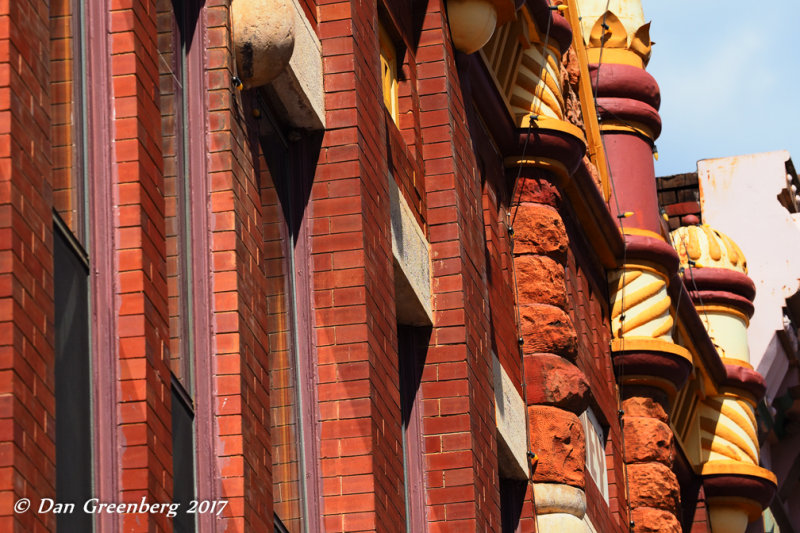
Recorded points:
(730, 78)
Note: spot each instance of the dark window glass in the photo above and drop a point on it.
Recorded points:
(512, 496)
(412, 344)
(73, 382)
(182, 457)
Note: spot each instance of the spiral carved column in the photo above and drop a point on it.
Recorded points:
(715, 273)
(650, 366)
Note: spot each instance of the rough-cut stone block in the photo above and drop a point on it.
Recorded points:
(647, 439)
(540, 280)
(547, 329)
(538, 191)
(644, 407)
(552, 380)
(653, 485)
(648, 520)
(263, 38)
(539, 229)
(557, 438)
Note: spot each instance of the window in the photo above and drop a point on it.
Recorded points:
(595, 451)
(388, 72)
(412, 344)
(171, 67)
(182, 457)
(175, 26)
(72, 378)
(67, 114)
(285, 186)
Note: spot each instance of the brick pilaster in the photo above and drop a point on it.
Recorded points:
(144, 397)
(361, 447)
(458, 401)
(27, 382)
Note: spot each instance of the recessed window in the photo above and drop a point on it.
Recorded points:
(595, 451)
(412, 343)
(388, 72)
(73, 378)
(67, 114)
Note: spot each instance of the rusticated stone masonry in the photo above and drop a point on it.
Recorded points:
(557, 391)
(654, 490)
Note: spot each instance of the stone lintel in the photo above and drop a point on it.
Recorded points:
(511, 426)
(412, 263)
(299, 87)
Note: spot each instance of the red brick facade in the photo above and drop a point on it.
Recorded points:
(248, 265)
(26, 243)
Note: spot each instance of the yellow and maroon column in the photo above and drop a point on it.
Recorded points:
(650, 366)
(737, 489)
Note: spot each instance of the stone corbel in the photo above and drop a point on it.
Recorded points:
(263, 38)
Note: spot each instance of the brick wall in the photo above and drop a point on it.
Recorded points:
(361, 451)
(144, 409)
(27, 407)
(239, 321)
(679, 196)
(459, 425)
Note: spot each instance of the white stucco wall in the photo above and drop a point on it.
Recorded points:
(738, 197)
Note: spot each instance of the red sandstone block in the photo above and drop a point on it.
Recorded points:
(229, 405)
(342, 391)
(357, 484)
(454, 317)
(344, 81)
(460, 511)
(333, 523)
(123, 42)
(336, 206)
(454, 405)
(451, 335)
(352, 427)
(348, 334)
(336, 154)
(134, 478)
(356, 446)
(345, 136)
(346, 223)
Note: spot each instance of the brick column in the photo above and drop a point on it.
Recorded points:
(144, 386)
(356, 338)
(459, 419)
(27, 383)
(241, 446)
